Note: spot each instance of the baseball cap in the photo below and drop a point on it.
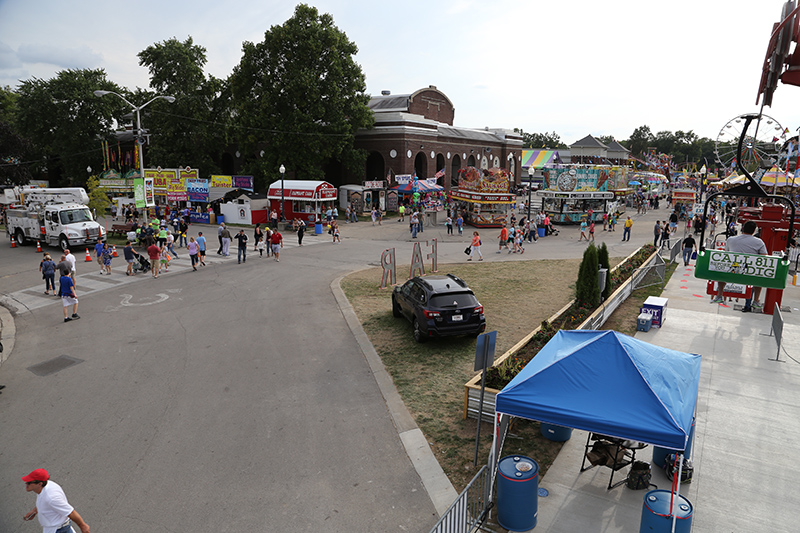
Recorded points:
(40, 474)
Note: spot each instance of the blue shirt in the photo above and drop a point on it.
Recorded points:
(65, 288)
(201, 242)
(98, 249)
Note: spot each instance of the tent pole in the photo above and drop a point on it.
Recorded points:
(493, 455)
(677, 492)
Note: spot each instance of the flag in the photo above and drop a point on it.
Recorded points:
(439, 174)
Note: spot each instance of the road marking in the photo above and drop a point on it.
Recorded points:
(126, 300)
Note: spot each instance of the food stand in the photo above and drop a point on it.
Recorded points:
(570, 193)
(302, 199)
(483, 196)
(683, 201)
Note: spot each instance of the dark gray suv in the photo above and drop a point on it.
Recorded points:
(438, 306)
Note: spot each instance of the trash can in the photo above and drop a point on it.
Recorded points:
(540, 231)
(656, 514)
(517, 493)
(220, 219)
(318, 228)
(554, 432)
(644, 321)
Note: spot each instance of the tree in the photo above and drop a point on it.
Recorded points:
(14, 154)
(299, 97)
(187, 132)
(63, 120)
(587, 291)
(640, 140)
(537, 141)
(98, 197)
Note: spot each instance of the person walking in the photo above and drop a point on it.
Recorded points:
(626, 231)
(226, 242)
(656, 233)
(201, 248)
(583, 230)
(241, 248)
(591, 230)
(220, 229)
(503, 239)
(460, 224)
(183, 227)
(107, 257)
(301, 230)
(413, 223)
(689, 247)
(665, 235)
(193, 249)
(66, 290)
(54, 512)
(258, 236)
(273, 218)
(475, 247)
(276, 239)
(98, 252)
(449, 224)
(48, 269)
(336, 233)
(69, 257)
(153, 253)
(129, 256)
(171, 244)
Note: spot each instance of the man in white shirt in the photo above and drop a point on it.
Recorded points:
(52, 507)
(71, 260)
(746, 243)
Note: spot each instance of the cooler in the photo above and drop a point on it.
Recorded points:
(657, 307)
(644, 321)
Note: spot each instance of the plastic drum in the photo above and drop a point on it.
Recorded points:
(555, 433)
(517, 493)
(656, 514)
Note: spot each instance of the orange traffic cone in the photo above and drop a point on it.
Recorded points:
(114, 250)
(38, 247)
(88, 257)
(13, 242)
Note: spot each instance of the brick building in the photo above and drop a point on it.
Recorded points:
(415, 132)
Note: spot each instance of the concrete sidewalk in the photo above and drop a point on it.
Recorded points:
(748, 421)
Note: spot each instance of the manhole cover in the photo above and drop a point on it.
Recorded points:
(54, 365)
(543, 493)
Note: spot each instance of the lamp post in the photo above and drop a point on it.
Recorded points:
(139, 136)
(282, 170)
(530, 187)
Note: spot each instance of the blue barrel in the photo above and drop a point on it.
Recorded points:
(220, 218)
(656, 514)
(540, 231)
(517, 492)
(318, 228)
(555, 433)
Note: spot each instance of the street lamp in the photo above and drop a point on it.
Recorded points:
(531, 170)
(139, 136)
(282, 170)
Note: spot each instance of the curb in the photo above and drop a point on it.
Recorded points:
(436, 483)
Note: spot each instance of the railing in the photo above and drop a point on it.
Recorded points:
(471, 508)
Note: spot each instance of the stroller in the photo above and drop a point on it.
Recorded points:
(142, 264)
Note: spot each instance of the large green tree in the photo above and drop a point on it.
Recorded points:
(299, 98)
(187, 132)
(62, 119)
(538, 141)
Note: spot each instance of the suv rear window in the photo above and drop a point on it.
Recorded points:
(461, 299)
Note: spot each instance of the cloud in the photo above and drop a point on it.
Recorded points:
(59, 56)
(8, 58)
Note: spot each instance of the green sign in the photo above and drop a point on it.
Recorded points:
(747, 269)
(138, 192)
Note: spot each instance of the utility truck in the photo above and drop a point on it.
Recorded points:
(58, 217)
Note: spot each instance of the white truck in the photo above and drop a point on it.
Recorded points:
(58, 217)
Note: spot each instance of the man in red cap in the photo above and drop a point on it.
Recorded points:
(52, 507)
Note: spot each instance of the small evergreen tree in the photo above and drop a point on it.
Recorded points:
(587, 291)
(602, 259)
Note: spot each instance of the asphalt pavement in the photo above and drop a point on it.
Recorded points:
(236, 397)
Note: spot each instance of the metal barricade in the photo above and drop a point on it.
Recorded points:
(471, 508)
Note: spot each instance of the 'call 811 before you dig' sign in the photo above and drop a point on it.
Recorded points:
(748, 269)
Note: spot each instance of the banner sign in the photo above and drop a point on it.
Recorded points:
(199, 218)
(222, 181)
(138, 192)
(176, 190)
(484, 198)
(197, 190)
(149, 191)
(373, 184)
(243, 182)
(114, 183)
(748, 269)
(160, 178)
(190, 174)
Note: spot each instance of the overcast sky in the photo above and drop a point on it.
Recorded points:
(574, 67)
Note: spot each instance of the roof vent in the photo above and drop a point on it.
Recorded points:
(386, 93)
(431, 86)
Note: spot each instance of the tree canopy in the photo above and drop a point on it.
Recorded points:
(538, 141)
(299, 97)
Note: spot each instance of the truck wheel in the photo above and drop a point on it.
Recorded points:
(63, 242)
(19, 237)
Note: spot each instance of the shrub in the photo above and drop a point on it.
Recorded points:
(587, 291)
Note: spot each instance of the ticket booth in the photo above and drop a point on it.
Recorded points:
(303, 199)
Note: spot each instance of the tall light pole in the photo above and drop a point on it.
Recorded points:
(282, 170)
(139, 136)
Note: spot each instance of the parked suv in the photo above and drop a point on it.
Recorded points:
(438, 306)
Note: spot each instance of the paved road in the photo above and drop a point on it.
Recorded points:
(228, 399)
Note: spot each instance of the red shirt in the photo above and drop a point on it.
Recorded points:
(276, 237)
(153, 251)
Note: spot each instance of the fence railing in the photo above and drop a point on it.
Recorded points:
(471, 508)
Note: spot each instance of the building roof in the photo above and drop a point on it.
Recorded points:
(588, 142)
(614, 146)
(392, 102)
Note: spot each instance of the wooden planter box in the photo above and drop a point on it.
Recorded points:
(472, 388)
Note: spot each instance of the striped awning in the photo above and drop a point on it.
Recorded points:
(538, 158)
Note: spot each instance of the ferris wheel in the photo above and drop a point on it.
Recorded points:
(766, 141)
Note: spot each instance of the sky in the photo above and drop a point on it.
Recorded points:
(573, 67)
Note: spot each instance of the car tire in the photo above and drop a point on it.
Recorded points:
(20, 238)
(63, 242)
(419, 336)
(396, 309)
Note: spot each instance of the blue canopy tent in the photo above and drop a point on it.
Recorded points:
(609, 383)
